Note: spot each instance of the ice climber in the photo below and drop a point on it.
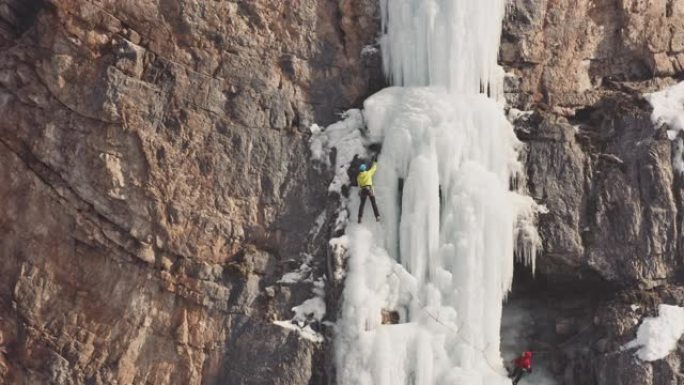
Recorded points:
(365, 183)
(523, 364)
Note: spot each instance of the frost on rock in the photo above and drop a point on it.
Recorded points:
(657, 336)
(305, 332)
(668, 110)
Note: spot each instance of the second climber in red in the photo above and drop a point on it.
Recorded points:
(523, 364)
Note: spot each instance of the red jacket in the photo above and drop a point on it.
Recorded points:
(524, 361)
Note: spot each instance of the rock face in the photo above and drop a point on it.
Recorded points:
(568, 52)
(613, 234)
(155, 184)
(156, 187)
(607, 180)
(578, 335)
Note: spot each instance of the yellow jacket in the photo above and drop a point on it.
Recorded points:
(365, 178)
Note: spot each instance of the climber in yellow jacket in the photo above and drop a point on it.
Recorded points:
(365, 183)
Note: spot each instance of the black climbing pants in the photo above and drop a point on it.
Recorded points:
(367, 192)
(517, 375)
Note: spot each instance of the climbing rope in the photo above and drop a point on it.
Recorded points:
(460, 337)
(456, 333)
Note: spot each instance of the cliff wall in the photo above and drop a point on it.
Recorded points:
(613, 234)
(156, 185)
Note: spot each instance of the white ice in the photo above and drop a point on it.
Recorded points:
(452, 43)
(442, 256)
(668, 110)
(657, 336)
(444, 264)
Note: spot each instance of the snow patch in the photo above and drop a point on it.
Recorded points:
(313, 309)
(305, 332)
(309, 313)
(318, 225)
(369, 50)
(668, 110)
(657, 336)
(346, 137)
(515, 114)
(302, 274)
(338, 248)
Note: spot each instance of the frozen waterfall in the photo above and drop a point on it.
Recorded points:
(442, 256)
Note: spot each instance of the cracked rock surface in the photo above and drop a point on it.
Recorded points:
(613, 235)
(155, 184)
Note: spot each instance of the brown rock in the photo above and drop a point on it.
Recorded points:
(604, 171)
(570, 47)
(155, 177)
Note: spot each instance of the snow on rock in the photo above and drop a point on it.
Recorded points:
(668, 109)
(338, 250)
(302, 274)
(318, 225)
(305, 332)
(346, 137)
(311, 311)
(369, 50)
(657, 336)
(515, 114)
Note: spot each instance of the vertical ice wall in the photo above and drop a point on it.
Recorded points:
(441, 42)
(442, 256)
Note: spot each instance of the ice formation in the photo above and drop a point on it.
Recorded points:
(657, 336)
(442, 256)
(450, 43)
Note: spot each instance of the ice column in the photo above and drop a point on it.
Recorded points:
(448, 43)
(442, 257)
